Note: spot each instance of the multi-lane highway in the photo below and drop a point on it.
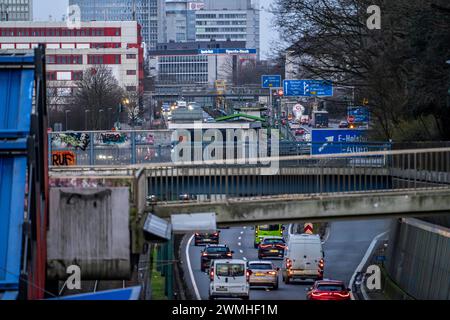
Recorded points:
(344, 249)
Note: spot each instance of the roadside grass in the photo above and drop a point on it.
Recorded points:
(158, 281)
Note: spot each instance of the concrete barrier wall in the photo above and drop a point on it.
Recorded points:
(419, 258)
(89, 227)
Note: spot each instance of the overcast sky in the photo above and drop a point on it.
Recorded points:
(43, 9)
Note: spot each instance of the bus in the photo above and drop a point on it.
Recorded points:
(267, 230)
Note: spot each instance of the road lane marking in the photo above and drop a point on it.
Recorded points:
(364, 261)
(191, 274)
(244, 258)
(240, 238)
(245, 228)
(242, 232)
(239, 244)
(241, 251)
(327, 235)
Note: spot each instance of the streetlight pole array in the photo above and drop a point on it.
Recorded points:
(86, 119)
(109, 118)
(67, 123)
(101, 111)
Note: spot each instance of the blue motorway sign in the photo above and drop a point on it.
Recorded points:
(271, 81)
(359, 114)
(308, 88)
(130, 293)
(329, 141)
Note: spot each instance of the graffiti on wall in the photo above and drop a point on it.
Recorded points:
(63, 158)
(71, 140)
(112, 138)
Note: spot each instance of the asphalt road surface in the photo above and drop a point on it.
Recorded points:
(344, 249)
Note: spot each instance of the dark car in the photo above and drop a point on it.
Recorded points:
(328, 290)
(271, 247)
(187, 197)
(213, 252)
(207, 238)
(343, 124)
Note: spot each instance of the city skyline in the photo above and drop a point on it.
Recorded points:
(43, 9)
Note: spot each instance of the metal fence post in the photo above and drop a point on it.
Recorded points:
(91, 149)
(50, 147)
(133, 147)
(170, 269)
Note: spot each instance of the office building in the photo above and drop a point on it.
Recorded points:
(150, 14)
(232, 20)
(198, 63)
(180, 19)
(70, 52)
(16, 10)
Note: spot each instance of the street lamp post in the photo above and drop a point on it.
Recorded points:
(109, 118)
(85, 118)
(67, 112)
(100, 118)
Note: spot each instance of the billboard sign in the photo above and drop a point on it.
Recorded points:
(226, 51)
(308, 88)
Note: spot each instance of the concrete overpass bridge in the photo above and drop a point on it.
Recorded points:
(368, 185)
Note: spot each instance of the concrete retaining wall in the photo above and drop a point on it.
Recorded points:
(419, 259)
(89, 227)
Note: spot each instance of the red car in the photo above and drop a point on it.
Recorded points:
(328, 290)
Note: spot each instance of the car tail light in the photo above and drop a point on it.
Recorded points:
(288, 263)
(342, 295)
(204, 254)
(216, 234)
(321, 264)
(318, 294)
(265, 246)
(211, 274)
(272, 273)
(281, 246)
(229, 254)
(197, 234)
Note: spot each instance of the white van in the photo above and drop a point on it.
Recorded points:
(229, 279)
(303, 258)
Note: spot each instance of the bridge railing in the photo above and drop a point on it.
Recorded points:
(121, 148)
(304, 175)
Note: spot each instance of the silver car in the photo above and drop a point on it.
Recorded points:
(263, 274)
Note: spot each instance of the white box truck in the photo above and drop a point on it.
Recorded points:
(303, 258)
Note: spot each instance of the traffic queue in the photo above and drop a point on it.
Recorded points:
(301, 256)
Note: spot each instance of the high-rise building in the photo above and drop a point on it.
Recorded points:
(229, 20)
(16, 10)
(180, 19)
(150, 14)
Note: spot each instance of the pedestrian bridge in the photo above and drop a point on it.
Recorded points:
(359, 185)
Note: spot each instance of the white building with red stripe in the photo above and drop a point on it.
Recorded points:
(118, 45)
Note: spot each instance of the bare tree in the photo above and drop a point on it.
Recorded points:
(133, 107)
(97, 95)
(330, 40)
